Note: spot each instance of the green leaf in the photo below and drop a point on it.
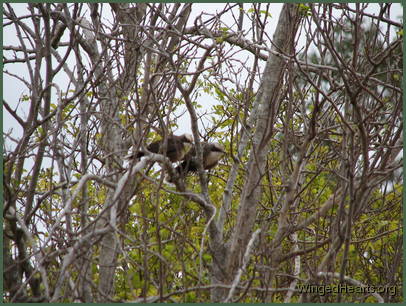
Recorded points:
(25, 98)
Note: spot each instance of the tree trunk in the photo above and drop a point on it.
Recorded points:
(268, 100)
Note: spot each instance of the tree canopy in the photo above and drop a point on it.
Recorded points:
(306, 101)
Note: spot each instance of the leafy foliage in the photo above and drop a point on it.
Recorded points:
(328, 204)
